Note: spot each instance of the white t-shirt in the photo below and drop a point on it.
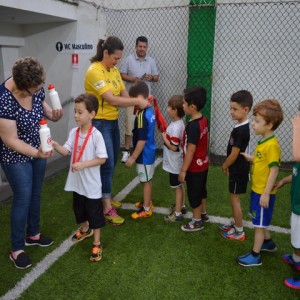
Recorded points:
(172, 161)
(86, 182)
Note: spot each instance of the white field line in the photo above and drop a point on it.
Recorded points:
(52, 257)
(38, 270)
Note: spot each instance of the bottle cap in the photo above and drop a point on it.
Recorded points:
(51, 87)
(43, 122)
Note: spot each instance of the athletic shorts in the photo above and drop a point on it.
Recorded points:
(196, 187)
(129, 120)
(295, 231)
(237, 187)
(261, 217)
(145, 172)
(90, 210)
(173, 180)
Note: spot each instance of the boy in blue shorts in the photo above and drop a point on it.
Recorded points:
(294, 258)
(144, 149)
(236, 166)
(195, 157)
(267, 116)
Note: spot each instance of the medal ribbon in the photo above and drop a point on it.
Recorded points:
(83, 145)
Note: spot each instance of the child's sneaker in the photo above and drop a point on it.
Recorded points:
(192, 226)
(288, 259)
(225, 228)
(233, 234)
(249, 260)
(141, 214)
(141, 203)
(43, 241)
(96, 253)
(268, 246)
(205, 217)
(113, 218)
(173, 218)
(22, 261)
(81, 235)
(293, 283)
(183, 209)
(125, 156)
(115, 204)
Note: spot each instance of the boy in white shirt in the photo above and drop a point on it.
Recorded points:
(86, 145)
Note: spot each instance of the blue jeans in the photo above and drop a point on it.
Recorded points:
(26, 181)
(111, 135)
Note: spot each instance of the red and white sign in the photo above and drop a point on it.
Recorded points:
(75, 61)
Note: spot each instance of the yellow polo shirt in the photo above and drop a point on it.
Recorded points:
(267, 154)
(97, 81)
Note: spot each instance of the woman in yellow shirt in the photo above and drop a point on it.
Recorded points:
(103, 80)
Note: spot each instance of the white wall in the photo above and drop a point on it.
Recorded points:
(78, 23)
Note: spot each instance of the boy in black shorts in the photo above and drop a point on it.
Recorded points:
(195, 157)
(235, 165)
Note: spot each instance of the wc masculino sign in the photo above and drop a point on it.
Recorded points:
(75, 47)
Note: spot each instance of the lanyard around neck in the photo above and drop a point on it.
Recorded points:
(83, 145)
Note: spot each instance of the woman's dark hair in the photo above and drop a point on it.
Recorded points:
(28, 73)
(176, 102)
(90, 101)
(111, 44)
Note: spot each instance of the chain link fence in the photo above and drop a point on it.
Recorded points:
(255, 47)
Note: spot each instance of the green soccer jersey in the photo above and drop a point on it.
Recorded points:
(295, 190)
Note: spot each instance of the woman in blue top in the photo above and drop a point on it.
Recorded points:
(22, 106)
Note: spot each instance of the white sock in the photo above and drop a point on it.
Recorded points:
(195, 220)
(296, 258)
(239, 229)
(177, 214)
(147, 208)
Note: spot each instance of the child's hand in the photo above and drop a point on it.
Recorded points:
(164, 137)
(264, 200)
(181, 176)
(279, 184)
(54, 143)
(130, 161)
(247, 156)
(77, 166)
(225, 171)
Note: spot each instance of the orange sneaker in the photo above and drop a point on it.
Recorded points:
(96, 253)
(140, 214)
(140, 204)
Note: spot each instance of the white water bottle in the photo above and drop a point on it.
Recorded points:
(45, 136)
(54, 97)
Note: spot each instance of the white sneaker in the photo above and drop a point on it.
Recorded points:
(125, 156)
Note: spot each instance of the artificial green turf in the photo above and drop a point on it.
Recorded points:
(151, 259)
